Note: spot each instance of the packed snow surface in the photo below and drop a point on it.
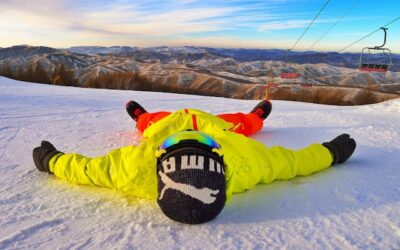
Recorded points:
(355, 205)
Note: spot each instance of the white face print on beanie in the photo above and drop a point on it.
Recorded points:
(191, 182)
(205, 195)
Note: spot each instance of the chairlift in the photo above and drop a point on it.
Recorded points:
(374, 63)
(289, 74)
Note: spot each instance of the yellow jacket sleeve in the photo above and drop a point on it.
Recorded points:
(129, 169)
(249, 162)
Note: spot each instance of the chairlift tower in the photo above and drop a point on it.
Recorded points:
(289, 74)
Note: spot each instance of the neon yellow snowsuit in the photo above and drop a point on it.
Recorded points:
(132, 169)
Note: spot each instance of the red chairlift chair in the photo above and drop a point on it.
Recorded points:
(290, 75)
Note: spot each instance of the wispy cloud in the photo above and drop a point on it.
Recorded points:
(127, 19)
(283, 25)
(148, 22)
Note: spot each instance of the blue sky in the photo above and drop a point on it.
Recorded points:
(228, 24)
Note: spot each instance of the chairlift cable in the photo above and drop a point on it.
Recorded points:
(348, 46)
(312, 22)
(337, 21)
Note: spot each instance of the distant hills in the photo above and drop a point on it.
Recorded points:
(188, 54)
(239, 73)
(24, 51)
(349, 60)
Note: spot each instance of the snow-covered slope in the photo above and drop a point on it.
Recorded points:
(352, 206)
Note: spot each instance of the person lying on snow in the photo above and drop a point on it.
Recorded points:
(191, 161)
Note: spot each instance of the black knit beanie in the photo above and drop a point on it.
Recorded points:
(191, 182)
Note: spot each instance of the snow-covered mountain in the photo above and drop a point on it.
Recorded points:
(355, 205)
(206, 71)
(94, 50)
(349, 60)
(24, 51)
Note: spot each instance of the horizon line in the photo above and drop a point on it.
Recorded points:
(193, 46)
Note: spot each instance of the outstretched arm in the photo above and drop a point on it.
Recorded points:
(250, 162)
(128, 169)
(283, 164)
(99, 171)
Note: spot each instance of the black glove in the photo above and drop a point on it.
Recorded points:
(342, 147)
(43, 154)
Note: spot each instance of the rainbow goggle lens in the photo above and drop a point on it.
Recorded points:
(189, 135)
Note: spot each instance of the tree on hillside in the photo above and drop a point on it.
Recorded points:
(121, 80)
(93, 82)
(39, 74)
(5, 70)
(34, 72)
(64, 76)
(23, 74)
(28, 74)
(20, 74)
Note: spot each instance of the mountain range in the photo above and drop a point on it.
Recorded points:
(350, 60)
(240, 73)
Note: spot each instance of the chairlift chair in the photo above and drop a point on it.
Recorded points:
(289, 74)
(381, 65)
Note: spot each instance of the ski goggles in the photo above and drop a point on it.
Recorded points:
(189, 135)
